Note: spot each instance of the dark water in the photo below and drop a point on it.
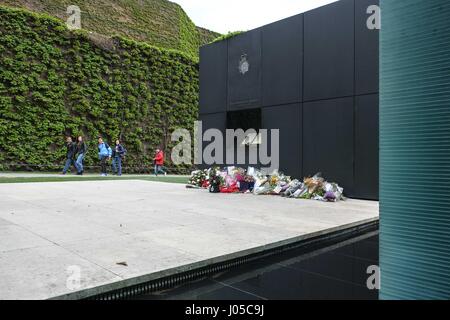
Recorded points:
(336, 272)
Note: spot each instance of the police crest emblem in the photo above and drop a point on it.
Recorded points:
(244, 65)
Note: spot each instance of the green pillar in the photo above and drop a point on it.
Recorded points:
(415, 149)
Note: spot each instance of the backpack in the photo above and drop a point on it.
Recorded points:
(107, 148)
(123, 152)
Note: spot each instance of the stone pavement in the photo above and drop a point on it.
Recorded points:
(50, 231)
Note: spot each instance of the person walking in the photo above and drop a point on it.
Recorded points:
(70, 154)
(118, 153)
(159, 162)
(81, 154)
(104, 154)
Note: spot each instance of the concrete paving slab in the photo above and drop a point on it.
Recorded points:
(129, 223)
(11, 205)
(14, 237)
(59, 227)
(156, 228)
(202, 244)
(139, 254)
(4, 222)
(43, 272)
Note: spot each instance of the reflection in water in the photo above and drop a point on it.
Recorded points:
(335, 272)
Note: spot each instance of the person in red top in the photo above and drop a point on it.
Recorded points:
(159, 162)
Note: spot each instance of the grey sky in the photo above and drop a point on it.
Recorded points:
(233, 15)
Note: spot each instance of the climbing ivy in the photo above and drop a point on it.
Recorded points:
(55, 82)
(160, 23)
(229, 35)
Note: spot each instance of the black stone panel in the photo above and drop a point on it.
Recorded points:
(328, 141)
(288, 119)
(282, 61)
(244, 87)
(367, 147)
(335, 129)
(329, 51)
(213, 77)
(366, 49)
(214, 121)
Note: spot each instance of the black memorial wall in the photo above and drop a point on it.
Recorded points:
(315, 77)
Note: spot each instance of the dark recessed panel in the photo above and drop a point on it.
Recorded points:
(288, 119)
(367, 147)
(367, 50)
(214, 121)
(213, 77)
(328, 141)
(329, 51)
(248, 119)
(282, 59)
(244, 70)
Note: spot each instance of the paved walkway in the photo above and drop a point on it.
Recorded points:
(57, 175)
(123, 232)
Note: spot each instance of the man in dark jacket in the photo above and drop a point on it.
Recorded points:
(118, 153)
(70, 154)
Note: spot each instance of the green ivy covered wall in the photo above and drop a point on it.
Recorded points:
(55, 82)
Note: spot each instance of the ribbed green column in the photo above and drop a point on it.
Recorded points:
(415, 149)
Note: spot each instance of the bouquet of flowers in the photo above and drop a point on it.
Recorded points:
(198, 178)
(292, 189)
(239, 174)
(247, 183)
(278, 182)
(249, 179)
(315, 183)
(262, 186)
(317, 188)
(230, 184)
(215, 180)
(332, 192)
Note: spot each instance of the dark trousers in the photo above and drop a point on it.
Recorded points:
(68, 164)
(103, 164)
(79, 163)
(117, 165)
(159, 169)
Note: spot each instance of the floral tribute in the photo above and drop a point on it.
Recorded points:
(239, 180)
